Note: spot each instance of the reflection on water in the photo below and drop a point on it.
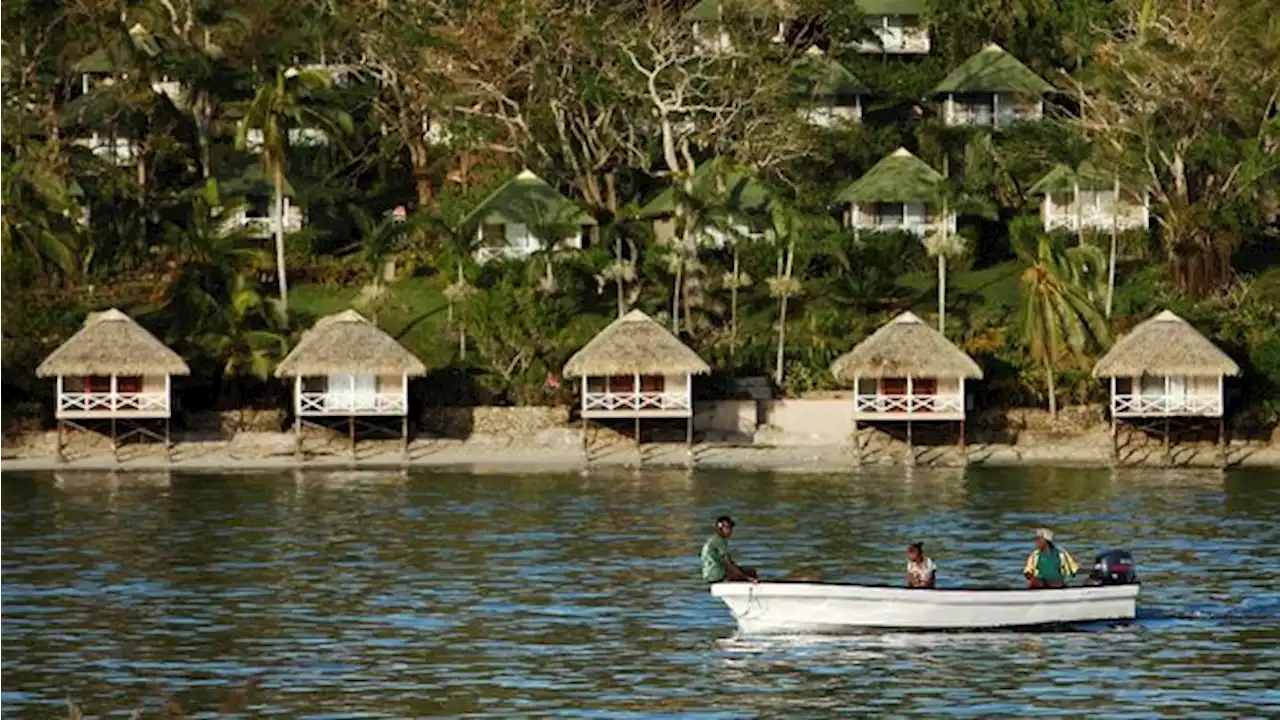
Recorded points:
(384, 594)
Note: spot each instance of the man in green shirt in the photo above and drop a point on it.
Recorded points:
(717, 566)
(1049, 566)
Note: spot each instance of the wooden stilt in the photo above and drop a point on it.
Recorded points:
(1115, 441)
(1222, 441)
(351, 431)
(115, 451)
(962, 440)
(297, 436)
(639, 452)
(168, 444)
(857, 446)
(1167, 459)
(585, 455)
(911, 453)
(58, 451)
(688, 434)
(404, 437)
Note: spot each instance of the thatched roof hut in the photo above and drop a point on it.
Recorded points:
(348, 343)
(635, 344)
(905, 346)
(1164, 346)
(111, 343)
(993, 70)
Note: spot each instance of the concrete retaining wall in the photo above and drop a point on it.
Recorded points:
(513, 422)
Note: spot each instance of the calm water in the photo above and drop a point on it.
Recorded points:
(384, 595)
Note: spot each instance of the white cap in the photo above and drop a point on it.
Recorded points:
(1045, 533)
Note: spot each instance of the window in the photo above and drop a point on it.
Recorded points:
(924, 386)
(259, 205)
(315, 384)
(889, 214)
(129, 384)
(98, 384)
(1152, 385)
(621, 384)
(1124, 386)
(893, 386)
(652, 383)
(595, 384)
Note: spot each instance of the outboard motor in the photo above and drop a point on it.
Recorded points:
(1113, 567)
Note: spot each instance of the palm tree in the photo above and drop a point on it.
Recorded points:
(945, 242)
(379, 241)
(292, 100)
(787, 226)
(1060, 313)
(459, 245)
(38, 221)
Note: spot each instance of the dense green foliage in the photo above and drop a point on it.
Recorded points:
(364, 111)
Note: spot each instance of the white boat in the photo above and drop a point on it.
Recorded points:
(802, 608)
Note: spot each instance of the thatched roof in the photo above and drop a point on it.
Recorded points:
(528, 200)
(1161, 346)
(905, 346)
(898, 177)
(992, 70)
(348, 343)
(111, 343)
(635, 343)
(742, 192)
(816, 76)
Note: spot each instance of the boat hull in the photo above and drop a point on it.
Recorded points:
(821, 608)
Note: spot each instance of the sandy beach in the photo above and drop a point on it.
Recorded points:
(562, 451)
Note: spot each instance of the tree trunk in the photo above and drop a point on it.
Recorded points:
(942, 293)
(1111, 259)
(782, 314)
(1053, 394)
(1079, 212)
(420, 161)
(675, 297)
(462, 330)
(617, 256)
(280, 268)
(733, 310)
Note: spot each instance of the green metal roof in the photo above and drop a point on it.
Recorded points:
(743, 192)
(254, 179)
(891, 7)
(898, 177)
(993, 70)
(1063, 179)
(528, 200)
(97, 61)
(710, 10)
(816, 75)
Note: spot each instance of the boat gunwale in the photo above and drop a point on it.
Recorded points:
(886, 586)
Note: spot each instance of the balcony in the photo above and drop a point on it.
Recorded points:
(1127, 217)
(108, 404)
(902, 407)
(346, 403)
(630, 404)
(1171, 405)
(896, 40)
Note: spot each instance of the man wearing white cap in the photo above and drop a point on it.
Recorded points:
(1048, 566)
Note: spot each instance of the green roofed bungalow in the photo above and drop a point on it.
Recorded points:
(258, 213)
(900, 193)
(1086, 197)
(708, 18)
(992, 89)
(515, 220)
(721, 184)
(827, 92)
(894, 27)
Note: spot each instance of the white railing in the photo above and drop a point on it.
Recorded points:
(1065, 218)
(113, 402)
(1210, 405)
(908, 404)
(897, 40)
(349, 403)
(635, 401)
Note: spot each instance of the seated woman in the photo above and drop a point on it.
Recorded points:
(921, 572)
